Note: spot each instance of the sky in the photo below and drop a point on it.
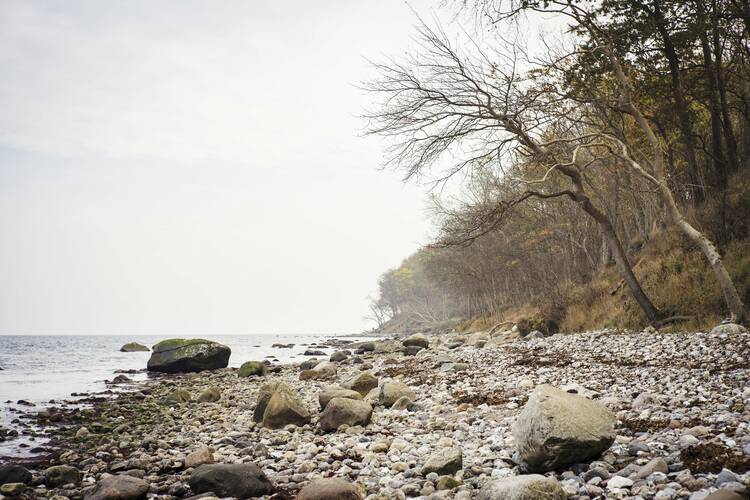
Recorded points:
(187, 167)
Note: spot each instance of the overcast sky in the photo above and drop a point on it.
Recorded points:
(186, 167)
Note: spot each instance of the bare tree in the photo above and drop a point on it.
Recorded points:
(651, 164)
(439, 105)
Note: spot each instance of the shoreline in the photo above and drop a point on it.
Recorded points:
(469, 390)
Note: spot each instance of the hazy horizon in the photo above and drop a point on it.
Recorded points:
(185, 168)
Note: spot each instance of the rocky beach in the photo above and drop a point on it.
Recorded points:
(488, 415)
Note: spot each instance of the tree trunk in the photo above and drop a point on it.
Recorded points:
(732, 298)
(622, 262)
(681, 107)
(714, 107)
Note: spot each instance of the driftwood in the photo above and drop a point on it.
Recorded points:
(503, 323)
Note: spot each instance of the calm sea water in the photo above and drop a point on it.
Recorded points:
(43, 368)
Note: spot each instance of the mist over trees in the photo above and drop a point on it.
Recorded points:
(599, 174)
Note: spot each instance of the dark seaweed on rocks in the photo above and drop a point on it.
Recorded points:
(713, 457)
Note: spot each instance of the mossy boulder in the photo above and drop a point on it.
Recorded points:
(252, 368)
(188, 355)
(134, 347)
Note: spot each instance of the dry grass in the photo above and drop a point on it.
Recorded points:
(676, 277)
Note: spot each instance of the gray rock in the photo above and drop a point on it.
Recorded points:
(527, 487)
(329, 489)
(340, 411)
(418, 340)
(556, 428)
(12, 473)
(250, 368)
(230, 480)
(309, 364)
(724, 495)
(728, 329)
(177, 396)
(655, 465)
(134, 347)
(392, 391)
(726, 476)
(284, 408)
(117, 488)
(332, 391)
(363, 383)
(403, 403)
(264, 396)
(210, 395)
(191, 355)
(339, 356)
(445, 461)
(322, 371)
(60, 475)
(412, 350)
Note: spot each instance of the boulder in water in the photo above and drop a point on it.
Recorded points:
(134, 347)
(557, 428)
(188, 355)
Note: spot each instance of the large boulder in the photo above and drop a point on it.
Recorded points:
(188, 355)
(12, 473)
(340, 411)
(230, 480)
(331, 391)
(445, 461)
(284, 408)
(249, 368)
(363, 383)
(418, 340)
(557, 428)
(527, 487)
(117, 488)
(134, 347)
(329, 489)
(264, 396)
(392, 390)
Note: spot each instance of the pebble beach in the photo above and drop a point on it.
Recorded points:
(452, 416)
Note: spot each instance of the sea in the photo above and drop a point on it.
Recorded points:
(39, 370)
